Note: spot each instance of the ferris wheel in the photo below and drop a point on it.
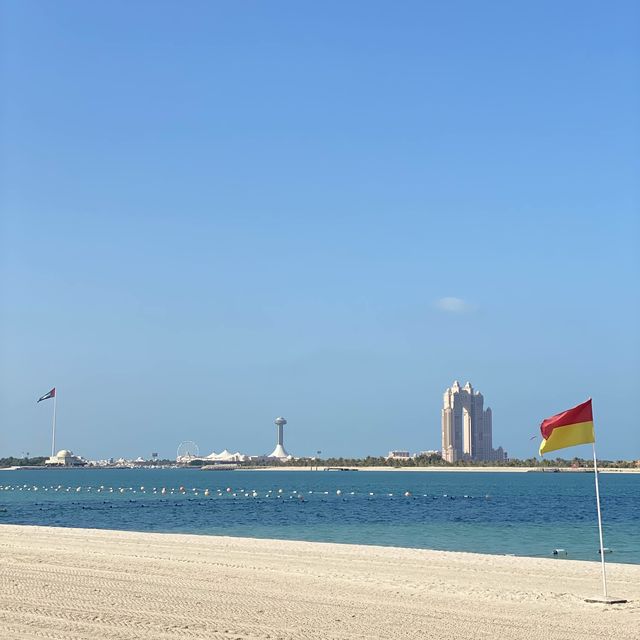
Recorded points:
(187, 450)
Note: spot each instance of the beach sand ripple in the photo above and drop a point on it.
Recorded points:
(72, 584)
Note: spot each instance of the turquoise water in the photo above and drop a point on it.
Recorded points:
(528, 514)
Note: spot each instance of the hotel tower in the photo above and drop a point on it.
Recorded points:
(467, 426)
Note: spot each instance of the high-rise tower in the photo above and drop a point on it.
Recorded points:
(467, 426)
(279, 451)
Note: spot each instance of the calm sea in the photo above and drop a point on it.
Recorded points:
(528, 514)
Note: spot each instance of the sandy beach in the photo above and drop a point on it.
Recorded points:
(67, 584)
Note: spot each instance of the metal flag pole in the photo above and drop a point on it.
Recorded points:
(595, 473)
(53, 430)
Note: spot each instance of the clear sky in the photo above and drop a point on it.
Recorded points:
(215, 213)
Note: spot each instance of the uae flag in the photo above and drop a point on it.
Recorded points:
(46, 396)
(567, 429)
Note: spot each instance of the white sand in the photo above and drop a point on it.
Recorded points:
(67, 584)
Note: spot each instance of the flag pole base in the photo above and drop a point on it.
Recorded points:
(606, 600)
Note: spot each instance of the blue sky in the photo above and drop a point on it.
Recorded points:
(216, 213)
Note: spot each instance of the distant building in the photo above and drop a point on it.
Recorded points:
(467, 429)
(225, 456)
(398, 455)
(280, 453)
(65, 458)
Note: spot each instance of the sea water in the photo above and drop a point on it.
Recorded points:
(528, 514)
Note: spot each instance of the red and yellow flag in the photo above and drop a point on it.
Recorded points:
(567, 429)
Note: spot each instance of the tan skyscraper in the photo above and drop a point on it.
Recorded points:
(467, 426)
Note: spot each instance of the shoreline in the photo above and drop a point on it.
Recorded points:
(451, 469)
(613, 470)
(81, 584)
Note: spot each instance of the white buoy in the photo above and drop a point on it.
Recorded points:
(338, 492)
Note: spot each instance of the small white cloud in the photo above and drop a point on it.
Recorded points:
(453, 305)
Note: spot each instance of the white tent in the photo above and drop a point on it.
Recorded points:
(226, 456)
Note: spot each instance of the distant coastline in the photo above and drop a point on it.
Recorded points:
(435, 469)
(430, 469)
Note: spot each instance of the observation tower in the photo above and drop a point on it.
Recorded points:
(279, 451)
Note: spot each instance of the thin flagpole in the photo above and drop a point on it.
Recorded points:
(595, 472)
(53, 430)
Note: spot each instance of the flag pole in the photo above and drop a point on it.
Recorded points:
(53, 429)
(595, 473)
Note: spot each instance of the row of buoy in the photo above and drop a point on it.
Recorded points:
(207, 492)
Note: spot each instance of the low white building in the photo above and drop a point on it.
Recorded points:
(430, 453)
(399, 455)
(65, 458)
